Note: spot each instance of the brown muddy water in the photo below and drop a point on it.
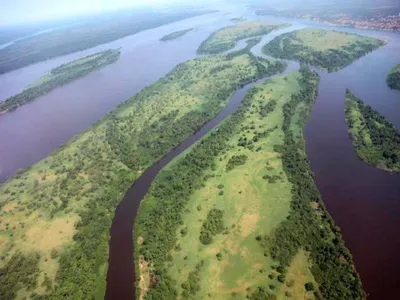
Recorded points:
(364, 201)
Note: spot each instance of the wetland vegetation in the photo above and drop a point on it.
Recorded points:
(226, 38)
(175, 35)
(393, 78)
(56, 215)
(327, 49)
(259, 239)
(375, 140)
(59, 76)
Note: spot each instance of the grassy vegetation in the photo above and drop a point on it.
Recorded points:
(375, 140)
(83, 35)
(250, 252)
(226, 38)
(393, 78)
(59, 76)
(61, 208)
(175, 35)
(328, 49)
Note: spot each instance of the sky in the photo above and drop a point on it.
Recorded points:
(22, 11)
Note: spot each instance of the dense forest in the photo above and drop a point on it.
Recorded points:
(83, 35)
(160, 214)
(59, 76)
(375, 140)
(309, 46)
(175, 35)
(71, 195)
(393, 78)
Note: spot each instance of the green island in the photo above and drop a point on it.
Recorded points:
(86, 34)
(237, 20)
(175, 35)
(55, 216)
(393, 78)
(227, 37)
(327, 49)
(59, 76)
(375, 140)
(238, 214)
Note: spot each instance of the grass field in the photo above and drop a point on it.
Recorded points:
(175, 35)
(331, 50)
(393, 78)
(239, 216)
(226, 38)
(234, 264)
(375, 140)
(60, 209)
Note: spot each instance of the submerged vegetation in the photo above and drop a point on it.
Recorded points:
(393, 78)
(254, 234)
(375, 140)
(59, 76)
(226, 38)
(175, 35)
(328, 49)
(59, 211)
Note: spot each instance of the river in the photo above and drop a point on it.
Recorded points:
(364, 201)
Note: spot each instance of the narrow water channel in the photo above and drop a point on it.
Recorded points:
(364, 201)
(120, 276)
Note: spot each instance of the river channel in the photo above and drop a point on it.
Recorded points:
(364, 201)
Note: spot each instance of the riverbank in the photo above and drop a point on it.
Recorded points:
(233, 227)
(376, 141)
(68, 195)
(59, 76)
(362, 199)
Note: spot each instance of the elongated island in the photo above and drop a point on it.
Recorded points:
(376, 141)
(59, 76)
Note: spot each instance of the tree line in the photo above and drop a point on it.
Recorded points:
(393, 78)
(383, 145)
(288, 46)
(59, 76)
(332, 265)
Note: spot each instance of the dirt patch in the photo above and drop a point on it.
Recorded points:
(45, 236)
(314, 205)
(248, 222)
(145, 277)
(3, 240)
(9, 207)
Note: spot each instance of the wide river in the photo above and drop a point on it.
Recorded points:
(364, 201)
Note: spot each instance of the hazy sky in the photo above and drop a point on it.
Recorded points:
(17, 11)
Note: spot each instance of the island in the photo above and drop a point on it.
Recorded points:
(239, 215)
(88, 32)
(376, 141)
(237, 20)
(175, 35)
(59, 76)
(393, 78)
(226, 38)
(55, 216)
(326, 49)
